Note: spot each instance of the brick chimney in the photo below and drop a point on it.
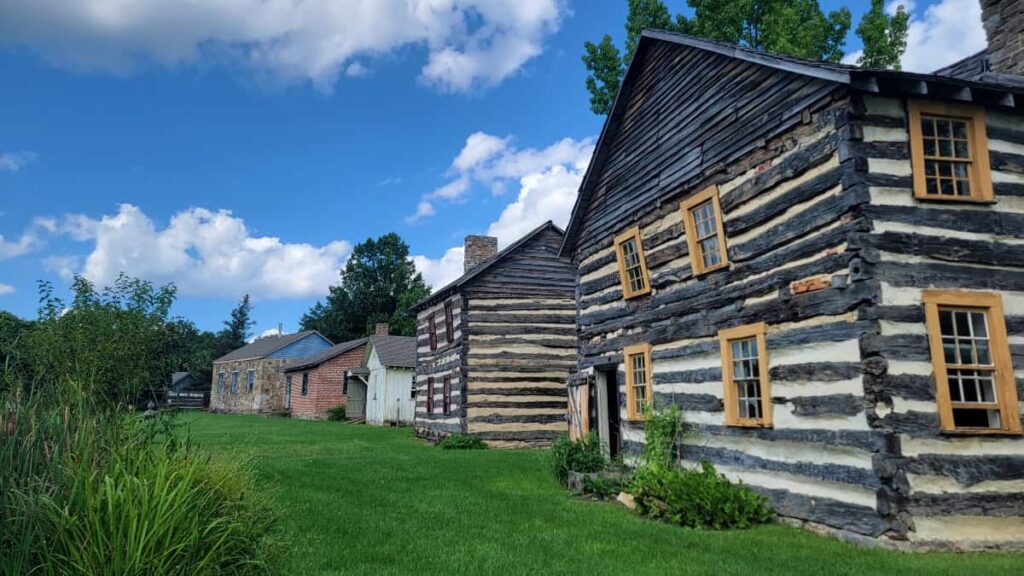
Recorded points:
(1004, 28)
(479, 249)
(383, 329)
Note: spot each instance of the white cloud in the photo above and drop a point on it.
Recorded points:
(29, 240)
(270, 332)
(205, 253)
(469, 43)
(6, 289)
(14, 161)
(440, 271)
(948, 31)
(63, 266)
(548, 180)
(423, 209)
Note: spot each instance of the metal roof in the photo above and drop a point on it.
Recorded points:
(320, 358)
(265, 346)
(446, 290)
(988, 89)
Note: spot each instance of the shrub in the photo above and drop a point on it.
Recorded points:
(337, 413)
(602, 486)
(583, 455)
(697, 499)
(462, 442)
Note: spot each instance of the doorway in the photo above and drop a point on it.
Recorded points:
(608, 411)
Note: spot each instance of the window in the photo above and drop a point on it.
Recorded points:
(447, 407)
(220, 382)
(234, 382)
(412, 393)
(629, 249)
(432, 329)
(250, 380)
(430, 395)
(949, 152)
(974, 384)
(705, 233)
(305, 383)
(639, 390)
(745, 376)
(449, 323)
(288, 384)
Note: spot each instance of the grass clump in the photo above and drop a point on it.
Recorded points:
(337, 413)
(462, 442)
(86, 488)
(583, 455)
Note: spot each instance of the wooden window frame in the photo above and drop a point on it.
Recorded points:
(627, 353)
(250, 380)
(432, 330)
(980, 174)
(430, 395)
(446, 395)
(305, 384)
(690, 230)
(627, 290)
(725, 338)
(449, 322)
(999, 348)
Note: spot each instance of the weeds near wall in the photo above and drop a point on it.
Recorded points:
(583, 455)
(462, 442)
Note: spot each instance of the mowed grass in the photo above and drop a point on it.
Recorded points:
(361, 500)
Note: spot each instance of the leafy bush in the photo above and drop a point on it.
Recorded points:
(583, 455)
(602, 486)
(86, 488)
(337, 413)
(697, 499)
(462, 442)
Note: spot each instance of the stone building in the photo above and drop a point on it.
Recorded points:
(250, 380)
(821, 266)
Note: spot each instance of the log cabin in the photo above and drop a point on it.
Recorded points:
(496, 345)
(822, 267)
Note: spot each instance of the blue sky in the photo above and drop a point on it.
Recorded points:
(243, 148)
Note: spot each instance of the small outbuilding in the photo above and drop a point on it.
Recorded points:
(381, 390)
(316, 384)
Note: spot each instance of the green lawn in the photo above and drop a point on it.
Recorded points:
(362, 500)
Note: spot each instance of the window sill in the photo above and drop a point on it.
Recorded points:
(755, 425)
(706, 271)
(634, 295)
(954, 199)
(980, 432)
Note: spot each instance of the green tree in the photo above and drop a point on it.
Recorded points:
(791, 27)
(378, 284)
(13, 332)
(884, 36)
(113, 342)
(237, 328)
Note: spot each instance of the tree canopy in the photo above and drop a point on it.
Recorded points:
(798, 28)
(378, 284)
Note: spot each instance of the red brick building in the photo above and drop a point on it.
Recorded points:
(314, 385)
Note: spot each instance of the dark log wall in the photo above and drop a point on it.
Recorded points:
(521, 331)
(771, 141)
(942, 487)
(446, 360)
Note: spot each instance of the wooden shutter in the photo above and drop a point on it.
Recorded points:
(447, 395)
(430, 394)
(433, 333)
(449, 322)
(579, 405)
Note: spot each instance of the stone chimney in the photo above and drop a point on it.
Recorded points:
(1004, 27)
(479, 249)
(383, 329)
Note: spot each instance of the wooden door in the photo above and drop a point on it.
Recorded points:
(579, 405)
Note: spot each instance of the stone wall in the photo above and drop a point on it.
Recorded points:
(267, 396)
(1004, 27)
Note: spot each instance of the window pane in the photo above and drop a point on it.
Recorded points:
(943, 128)
(976, 418)
(928, 126)
(960, 129)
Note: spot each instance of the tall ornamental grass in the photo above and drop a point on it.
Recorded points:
(92, 489)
